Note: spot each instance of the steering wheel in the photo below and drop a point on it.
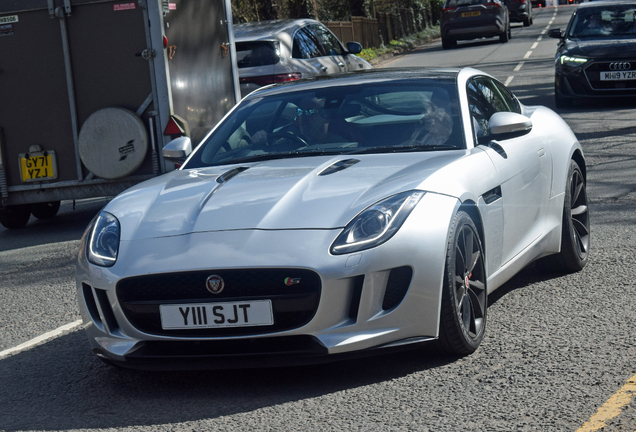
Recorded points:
(276, 135)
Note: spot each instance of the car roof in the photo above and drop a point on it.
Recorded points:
(267, 29)
(367, 76)
(605, 3)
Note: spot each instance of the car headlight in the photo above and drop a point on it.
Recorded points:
(103, 243)
(572, 61)
(376, 224)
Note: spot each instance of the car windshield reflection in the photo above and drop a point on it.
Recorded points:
(608, 22)
(357, 119)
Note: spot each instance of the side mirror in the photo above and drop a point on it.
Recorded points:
(555, 33)
(354, 48)
(506, 125)
(177, 150)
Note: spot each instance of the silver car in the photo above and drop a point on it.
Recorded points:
(275, 51)
(345, 215)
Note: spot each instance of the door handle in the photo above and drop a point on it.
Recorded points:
(341, 64)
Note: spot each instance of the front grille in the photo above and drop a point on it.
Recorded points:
(593, 74)
(293, 305)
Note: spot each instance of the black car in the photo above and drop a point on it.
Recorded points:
(520, 11)
(472, 19)
(596, 54)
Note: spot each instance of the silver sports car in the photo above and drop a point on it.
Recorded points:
(332, 217)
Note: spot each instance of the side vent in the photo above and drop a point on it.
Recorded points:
(107, 314)
(91, 305)
(492, 195)
(338, 166)
(397, 286)
(356, 295)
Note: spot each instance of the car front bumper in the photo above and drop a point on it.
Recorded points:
(351, 315)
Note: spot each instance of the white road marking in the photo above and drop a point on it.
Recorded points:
(508, 80)
(528, 54)
(41, 339)
(518, 68)
(539, 38)
(534, 45)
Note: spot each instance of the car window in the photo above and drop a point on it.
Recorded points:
(257, 53)
(604, 22)
(306, 45)
(486, 97)
(341, 120)
(457, 3)
(329, 42)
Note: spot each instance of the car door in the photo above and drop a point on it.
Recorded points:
(524, 165)
(309, 55)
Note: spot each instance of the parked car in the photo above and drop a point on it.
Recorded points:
(472, 19)
(286, 50)
(520, 11)
(343, 215)
(538, 3)
(596, 54)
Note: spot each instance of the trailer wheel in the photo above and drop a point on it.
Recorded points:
(45, 210)
(15, 216)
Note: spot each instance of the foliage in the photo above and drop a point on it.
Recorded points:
(399, 45)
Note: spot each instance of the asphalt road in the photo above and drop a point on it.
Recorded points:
(557, 347)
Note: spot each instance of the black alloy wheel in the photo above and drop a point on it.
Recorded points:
(575, 230)
(464, 296)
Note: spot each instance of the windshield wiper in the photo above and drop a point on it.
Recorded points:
(399, 149)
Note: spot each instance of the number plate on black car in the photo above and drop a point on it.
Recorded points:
(618, 75)
(213, 315)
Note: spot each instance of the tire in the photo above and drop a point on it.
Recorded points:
(464, 295)
(526, 22)
(505, 36)
(448, 43)
(45, 210)
(17, 216)
(575, 226)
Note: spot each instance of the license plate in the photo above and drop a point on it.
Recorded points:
(38, 166)
(618, 75)
(216, 315)
(470, 14)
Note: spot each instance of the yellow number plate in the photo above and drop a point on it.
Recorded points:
(38, 166)
(470, 14)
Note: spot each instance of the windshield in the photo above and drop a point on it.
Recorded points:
(604, 22)
(406, 116)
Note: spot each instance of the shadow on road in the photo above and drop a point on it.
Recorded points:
(61, 386)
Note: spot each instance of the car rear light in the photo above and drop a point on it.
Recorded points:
(523, 1)
(449, 9)
(264, 80)
(492, 5)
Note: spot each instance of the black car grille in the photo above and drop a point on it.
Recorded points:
(593, 74)
(293, 305)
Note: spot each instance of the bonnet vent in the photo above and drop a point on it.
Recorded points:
(338, 166)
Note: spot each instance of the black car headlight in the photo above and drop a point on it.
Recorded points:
(572, 62)
(376, 224)
(103, 243)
